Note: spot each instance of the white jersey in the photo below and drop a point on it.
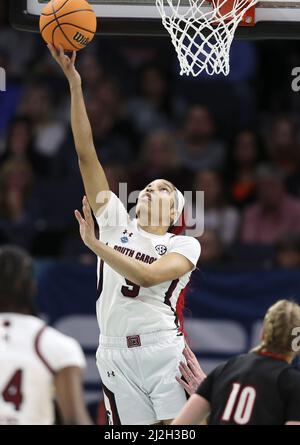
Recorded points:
(30, 354)
(123, 308)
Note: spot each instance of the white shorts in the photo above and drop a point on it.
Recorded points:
(138, 377)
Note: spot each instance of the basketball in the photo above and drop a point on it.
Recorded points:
(69, 23)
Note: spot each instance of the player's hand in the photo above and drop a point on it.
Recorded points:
(86, 224)
(191, 372)
(66, 63)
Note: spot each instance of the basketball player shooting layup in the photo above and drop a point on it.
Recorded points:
(142, 270)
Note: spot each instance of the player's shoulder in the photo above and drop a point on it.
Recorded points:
(54, 336)
(288, 381)
(23, 321)
(234, 362)
(186, 241)
(291, 373)
(59, 350)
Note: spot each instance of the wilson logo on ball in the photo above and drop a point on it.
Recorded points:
(80, 38)
(71, 24)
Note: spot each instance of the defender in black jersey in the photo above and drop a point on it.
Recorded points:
(259, 388)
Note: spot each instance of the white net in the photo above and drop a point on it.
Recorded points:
(202, 35)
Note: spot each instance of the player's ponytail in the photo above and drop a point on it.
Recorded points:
(178, 229)
(278, 325)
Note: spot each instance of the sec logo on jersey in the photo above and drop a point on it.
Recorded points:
(160, 249)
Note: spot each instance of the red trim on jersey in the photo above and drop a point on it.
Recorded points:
(168, 296)
(112, 401)
(100, 283)
(274, 355)
(37, 349)
(180, 306)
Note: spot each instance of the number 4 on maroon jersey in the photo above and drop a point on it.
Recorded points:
(12, 392)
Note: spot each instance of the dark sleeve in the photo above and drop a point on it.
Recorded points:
(206, 387)
(289, 385)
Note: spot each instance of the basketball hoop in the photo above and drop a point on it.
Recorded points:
(202, 37)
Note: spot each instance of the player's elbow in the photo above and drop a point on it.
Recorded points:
(84, 159)
(144, 282)
(147, 280)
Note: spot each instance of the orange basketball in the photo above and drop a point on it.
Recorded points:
(70, 23)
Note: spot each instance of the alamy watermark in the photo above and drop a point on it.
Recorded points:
(152, 212)
(2, 79)
(296, 340)
(296, 81)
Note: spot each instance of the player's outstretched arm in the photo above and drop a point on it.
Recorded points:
(91, 170)
(69, 395)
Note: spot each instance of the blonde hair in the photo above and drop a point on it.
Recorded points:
(278, 325)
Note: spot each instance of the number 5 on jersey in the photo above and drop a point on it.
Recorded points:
(131, 290)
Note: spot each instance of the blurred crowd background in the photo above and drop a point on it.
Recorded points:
(235, 138)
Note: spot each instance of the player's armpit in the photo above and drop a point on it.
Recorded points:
(69, 396)
(167, 268)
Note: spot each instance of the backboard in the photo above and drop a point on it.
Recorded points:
(275, 19)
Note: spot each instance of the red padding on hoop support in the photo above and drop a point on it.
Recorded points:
(248, 18)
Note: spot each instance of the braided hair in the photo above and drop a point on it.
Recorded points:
(278, 325)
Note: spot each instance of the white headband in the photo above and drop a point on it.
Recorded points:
(180, 204)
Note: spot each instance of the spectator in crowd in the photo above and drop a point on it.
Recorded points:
(283, 145)
(114, 134)
(110, 95)
(92, 72)
(159, 158)
(199, 148)
(155, 107)
(212, 252)
(111, 146)
(19, 144)
(21, 46)
(17, 210)
(117, 174)
(275, 212)
(38, 106)
(13, 91)
(19, 139)
(218, 215)
(288, 251)
(247, 151)
(293, 182)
